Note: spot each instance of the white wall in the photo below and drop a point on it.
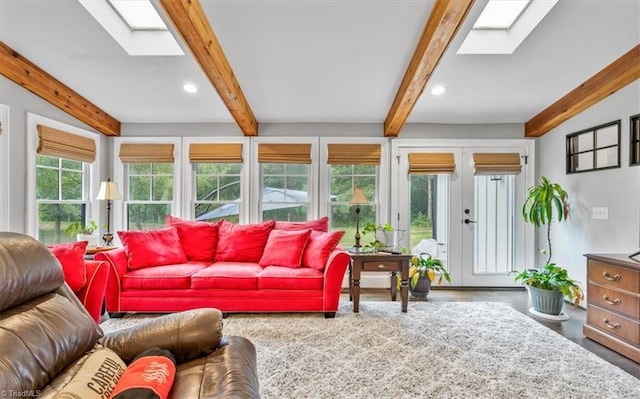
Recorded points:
(618, 189)
(20, 102)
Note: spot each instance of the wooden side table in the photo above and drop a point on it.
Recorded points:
(380, 262)
(91, 251)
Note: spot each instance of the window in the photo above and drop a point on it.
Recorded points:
(59, 197)
(284, 177)
(634, 156)
(149, 195)
(594, 148)
(351, 166)
(150, 184)
(62, 179)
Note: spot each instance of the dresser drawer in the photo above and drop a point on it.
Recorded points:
(614, 276)
(614, 324)
(613, 300)
(381, 266)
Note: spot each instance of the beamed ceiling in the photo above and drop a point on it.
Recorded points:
(313, 61)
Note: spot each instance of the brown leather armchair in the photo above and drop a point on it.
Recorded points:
(46, 335)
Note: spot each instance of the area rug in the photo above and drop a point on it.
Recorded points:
(436, 350)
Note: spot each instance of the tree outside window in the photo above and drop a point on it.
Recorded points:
(59, 197)
(150, 195)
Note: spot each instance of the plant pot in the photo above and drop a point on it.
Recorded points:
(422, 288)
(546, 301)
(94, 240)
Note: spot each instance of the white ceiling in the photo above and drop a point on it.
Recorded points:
(323, 61)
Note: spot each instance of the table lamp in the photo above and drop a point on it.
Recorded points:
(358, 198)
(109, 192)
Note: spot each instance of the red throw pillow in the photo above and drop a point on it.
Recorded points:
(152, 247)
(199, 239)
(71, 257)
(319, 248)
(321, 224)
(242, 242)
(150, 375)
(285, 248)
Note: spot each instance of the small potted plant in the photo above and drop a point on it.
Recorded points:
(423, 272)
(84, 232)
(373, 229)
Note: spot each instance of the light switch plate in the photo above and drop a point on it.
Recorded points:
(600, 212)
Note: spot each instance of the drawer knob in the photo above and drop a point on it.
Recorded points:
(380, 266)
(614, 326)
(606, 275)
(609, 301)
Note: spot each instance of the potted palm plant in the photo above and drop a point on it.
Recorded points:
(423, 272)
(549, 284)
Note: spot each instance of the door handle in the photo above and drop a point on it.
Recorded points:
(467, 221)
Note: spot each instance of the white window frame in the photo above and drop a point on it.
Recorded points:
(188, 174)
(91, 171)
(255, 215)
(119, 176)
(383, 197)
(4, 169)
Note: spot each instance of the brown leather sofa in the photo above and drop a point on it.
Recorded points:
(46, 335)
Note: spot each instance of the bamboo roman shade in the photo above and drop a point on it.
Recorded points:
(57, 143)
(485, 163)
(215, 152)
(353, 154)
(146, 153)
(432, 163)
(284, 153)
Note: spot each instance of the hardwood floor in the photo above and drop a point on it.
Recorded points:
(519, 300)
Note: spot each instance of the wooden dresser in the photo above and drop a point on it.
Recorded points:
(613, 303)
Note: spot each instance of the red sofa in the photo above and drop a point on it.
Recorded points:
(263, 267)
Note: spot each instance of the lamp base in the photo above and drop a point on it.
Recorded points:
(107, 238)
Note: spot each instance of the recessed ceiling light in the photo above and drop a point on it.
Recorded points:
(190, 88)
(438, 90)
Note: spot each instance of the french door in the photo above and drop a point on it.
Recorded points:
(470, 220)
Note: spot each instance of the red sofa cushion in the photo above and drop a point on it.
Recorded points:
(152, 247)
(227, 276)
(242, 242)
(319, 248)
(199, 239)
(285, 248)
(166, 277)
(321, 224)
(286, 278)
(71, 257)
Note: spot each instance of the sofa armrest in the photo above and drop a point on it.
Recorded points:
(118, 265)
(186, 335)
(334, 272)
(92, 294)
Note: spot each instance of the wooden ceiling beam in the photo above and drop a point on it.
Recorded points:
(615, 76)
(192, 23)
(445, 19)
(21, 71)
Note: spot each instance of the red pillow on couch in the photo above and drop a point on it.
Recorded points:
(152, 247)
(319, 248)
(242, 242)
(71, 257)
(321, 224)
(285, 248)
(198, 239)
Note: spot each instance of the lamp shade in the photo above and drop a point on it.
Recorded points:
(108, 191)
(358, 197)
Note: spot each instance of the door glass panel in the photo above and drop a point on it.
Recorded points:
(494, 228)
(429, 207)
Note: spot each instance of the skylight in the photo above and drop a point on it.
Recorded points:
(138, 14)
(504, 33)
(141, 32)
(500, 14)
